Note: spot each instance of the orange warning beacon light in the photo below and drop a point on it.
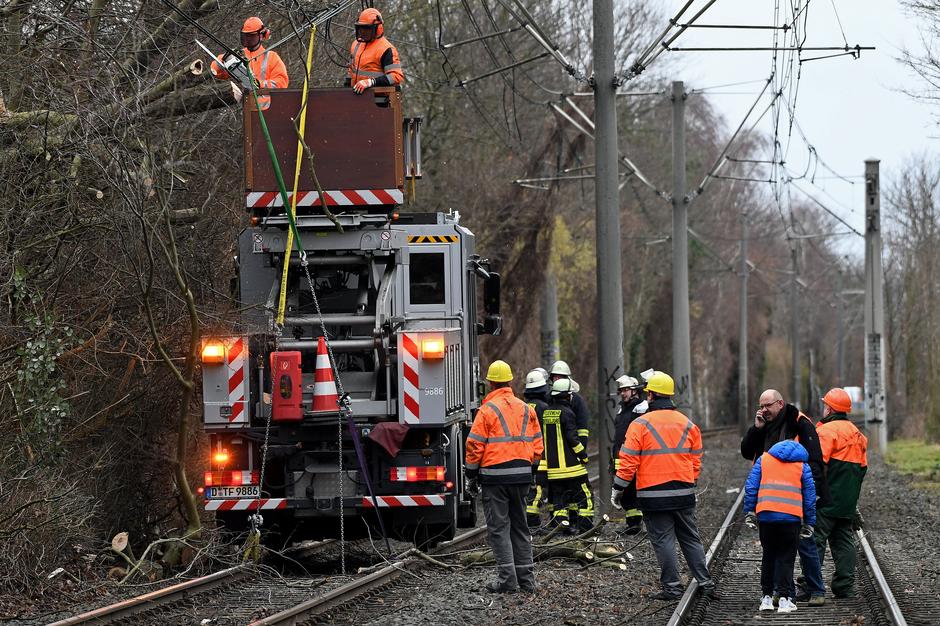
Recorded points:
(213, 352)
(432, 348)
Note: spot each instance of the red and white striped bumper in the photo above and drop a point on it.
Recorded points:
(397, 501)
(334, 197)
(251, 504)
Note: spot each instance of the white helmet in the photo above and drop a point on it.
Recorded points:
(627, 382)
(561, 368)
(645, 375)
(543, 372)
(575, 387)
(561, 386)
(535, 379)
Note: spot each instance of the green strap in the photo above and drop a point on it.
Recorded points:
(277, 166)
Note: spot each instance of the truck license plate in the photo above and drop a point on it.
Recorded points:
(242, 491)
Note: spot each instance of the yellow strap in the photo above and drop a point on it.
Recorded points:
(282, 300)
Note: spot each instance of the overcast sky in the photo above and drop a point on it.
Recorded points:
(849, 109)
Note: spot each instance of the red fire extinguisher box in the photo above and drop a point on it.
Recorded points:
(286, 388)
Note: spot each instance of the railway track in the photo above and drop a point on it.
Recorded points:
(734, 560)
(239, 594)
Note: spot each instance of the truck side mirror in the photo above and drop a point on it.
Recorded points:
(492, 321)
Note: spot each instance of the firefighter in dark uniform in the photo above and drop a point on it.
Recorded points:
(559, 371)
(631, 407)
(566, 459)
(536, 396)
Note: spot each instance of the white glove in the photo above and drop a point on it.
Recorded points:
(615, 496)
(363, 84)
(237, 92)
(751, 520)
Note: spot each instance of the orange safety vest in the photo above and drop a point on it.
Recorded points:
(661, 446)
(505, 439)
(267, 68)
(781, 486)
(366, 61)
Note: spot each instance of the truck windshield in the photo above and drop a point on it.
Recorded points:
(427, 278)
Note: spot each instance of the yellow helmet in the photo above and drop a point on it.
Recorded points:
(499, 372)
(661, 383)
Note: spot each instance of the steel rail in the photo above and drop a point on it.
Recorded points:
(722, 537)
(894, 610)
(148, 601)
(356, 588)
(686, 603)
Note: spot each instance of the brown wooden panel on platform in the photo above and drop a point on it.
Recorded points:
(357, 143)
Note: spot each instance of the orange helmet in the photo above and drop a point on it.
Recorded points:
(838, 400)
(253, 25)
(369, 26)
(253, 33)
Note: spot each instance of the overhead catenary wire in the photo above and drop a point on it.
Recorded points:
(720, 160)
(825, 208)
(624, 159)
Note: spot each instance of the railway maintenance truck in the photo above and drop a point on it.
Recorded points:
(356, 405)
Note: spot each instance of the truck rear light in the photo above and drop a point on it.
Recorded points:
(415, 474)
(213, 352)
(432, 348)
(231, 478)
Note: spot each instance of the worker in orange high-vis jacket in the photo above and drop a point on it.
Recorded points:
(374, 60)
(780, 498)
(503, 451)
(662, 454)
(845, 454)
(267, 68)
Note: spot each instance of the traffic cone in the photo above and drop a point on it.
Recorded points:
(325, 398)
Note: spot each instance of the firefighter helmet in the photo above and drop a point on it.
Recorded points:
(535, 380)
(560, 368)
(627, 382)
(562, 386)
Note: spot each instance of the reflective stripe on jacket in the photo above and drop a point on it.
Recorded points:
(781, 487)
(375, 59)
(845, 454)
(564, 452)
(662, 453)
(504, 441)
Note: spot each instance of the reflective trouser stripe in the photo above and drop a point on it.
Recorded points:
(532, 506)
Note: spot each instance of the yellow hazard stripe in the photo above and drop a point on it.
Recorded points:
(432, 239)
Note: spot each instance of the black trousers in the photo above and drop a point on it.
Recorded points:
(780, 541)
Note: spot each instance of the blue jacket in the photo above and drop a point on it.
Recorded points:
(791, 452)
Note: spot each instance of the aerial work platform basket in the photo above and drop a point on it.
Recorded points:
(363, 149)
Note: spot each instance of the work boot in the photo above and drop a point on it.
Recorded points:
(817, 601)
(665, 595)
(710, 592)
(495, 587)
